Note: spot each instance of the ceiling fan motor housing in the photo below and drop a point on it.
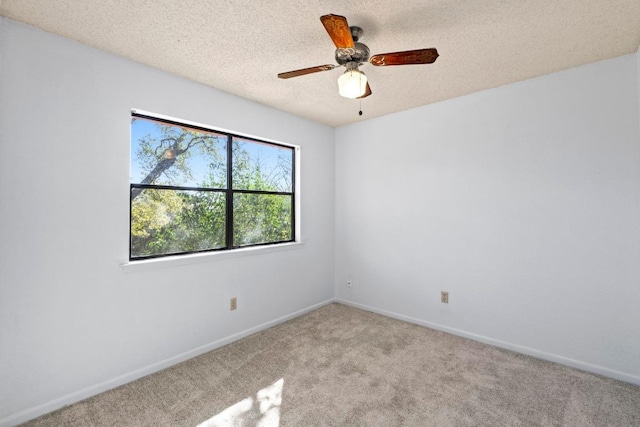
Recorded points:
(358, 53)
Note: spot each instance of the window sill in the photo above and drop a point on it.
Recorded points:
(178, 260)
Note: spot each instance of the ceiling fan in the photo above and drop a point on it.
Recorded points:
(351, 54)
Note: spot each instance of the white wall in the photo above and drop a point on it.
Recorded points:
(72, 323)
(638, 70)
(522, 201)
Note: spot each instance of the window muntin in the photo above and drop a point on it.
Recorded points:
(195, 189)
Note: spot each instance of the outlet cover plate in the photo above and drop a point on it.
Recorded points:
(444, 297)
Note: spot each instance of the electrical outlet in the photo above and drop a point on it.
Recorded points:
(444, 297)
(233, 304)
(349, 283)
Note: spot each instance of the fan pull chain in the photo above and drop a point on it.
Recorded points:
(360, 99)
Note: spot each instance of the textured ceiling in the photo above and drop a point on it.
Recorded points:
(240, 47)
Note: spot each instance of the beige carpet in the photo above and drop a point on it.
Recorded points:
(339, 366)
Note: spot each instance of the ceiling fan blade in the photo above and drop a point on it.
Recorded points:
(338, 30)
(419, 56)
(367, 92)
(304, 71)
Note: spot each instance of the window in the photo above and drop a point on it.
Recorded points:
(194, 189)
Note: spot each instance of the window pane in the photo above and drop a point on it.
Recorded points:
(171, 221)
(261, 218)
(165, 154)
(262, 166)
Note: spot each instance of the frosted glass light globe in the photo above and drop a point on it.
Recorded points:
(352, 84)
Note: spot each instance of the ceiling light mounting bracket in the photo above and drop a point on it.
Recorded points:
(352, 65)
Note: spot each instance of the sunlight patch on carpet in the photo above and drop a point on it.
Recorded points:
(265, 407)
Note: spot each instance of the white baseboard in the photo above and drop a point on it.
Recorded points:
(85, 393)
(584, 366)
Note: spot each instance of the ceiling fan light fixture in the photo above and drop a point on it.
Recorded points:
(351, 53)
(352, 84)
